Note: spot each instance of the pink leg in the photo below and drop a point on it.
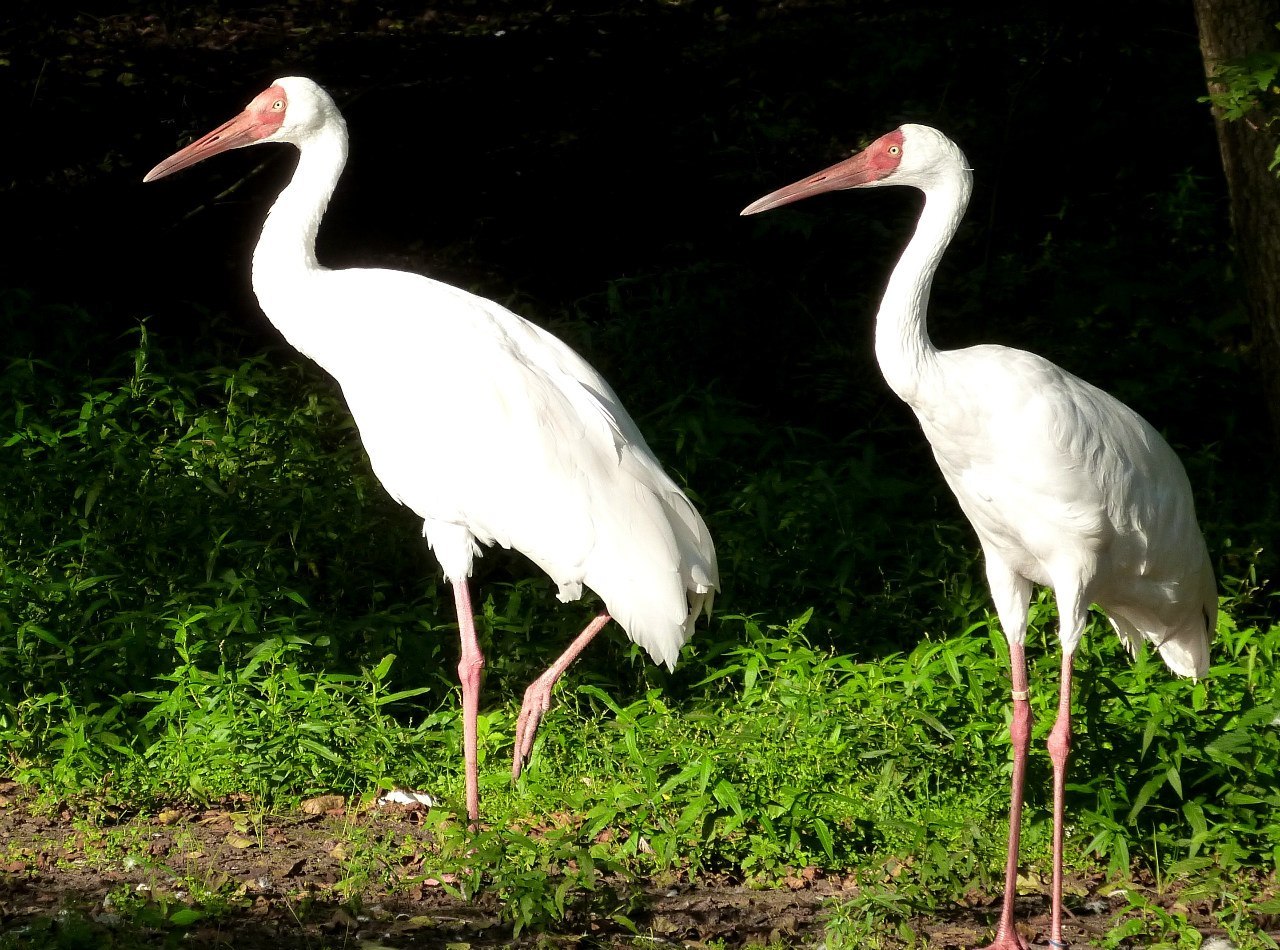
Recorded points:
(1007, 937)
(469, 667)
(537, 698)
(1059, 749)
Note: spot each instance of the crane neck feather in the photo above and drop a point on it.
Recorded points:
(287, 247)
(903, 348)
(285, 270)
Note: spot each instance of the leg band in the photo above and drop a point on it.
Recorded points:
(1019, 694)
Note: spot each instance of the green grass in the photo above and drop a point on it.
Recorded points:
(203, 591)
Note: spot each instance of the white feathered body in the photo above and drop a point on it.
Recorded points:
(1067, 486)
(490, 428)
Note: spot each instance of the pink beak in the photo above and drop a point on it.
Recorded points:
(262, 117)
(851, 173)
(875, 163)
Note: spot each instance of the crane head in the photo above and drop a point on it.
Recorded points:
(910, 155)
(283, 112)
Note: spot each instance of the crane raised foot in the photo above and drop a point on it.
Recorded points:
(537, 697)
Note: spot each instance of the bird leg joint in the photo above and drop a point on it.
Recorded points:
(469, 668)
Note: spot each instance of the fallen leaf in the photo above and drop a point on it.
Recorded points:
(324, 803)
(340, 921)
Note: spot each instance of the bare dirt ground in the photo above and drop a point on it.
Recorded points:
(68, 881)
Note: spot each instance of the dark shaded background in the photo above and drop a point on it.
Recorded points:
(579, 159)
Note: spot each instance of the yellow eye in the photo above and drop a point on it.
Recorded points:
(894, 150)
(278, 105)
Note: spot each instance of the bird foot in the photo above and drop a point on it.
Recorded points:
(537, 700)
(1008, 941)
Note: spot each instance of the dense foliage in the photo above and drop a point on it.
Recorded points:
(200, 598)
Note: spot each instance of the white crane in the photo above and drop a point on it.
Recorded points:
(490, 428)
(1065, 485)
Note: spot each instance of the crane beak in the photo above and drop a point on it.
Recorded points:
(241, 131)
(851, 173)
(261, 118)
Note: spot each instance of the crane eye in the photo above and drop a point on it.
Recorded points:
(894, 150)
(278, 105)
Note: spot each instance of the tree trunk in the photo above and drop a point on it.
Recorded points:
(1231, 29)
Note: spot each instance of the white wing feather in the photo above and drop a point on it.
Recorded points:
(496, 432)
(1058, 476)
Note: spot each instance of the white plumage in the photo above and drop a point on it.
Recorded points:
(1064, 484)
(490, 428)
(1082, 495)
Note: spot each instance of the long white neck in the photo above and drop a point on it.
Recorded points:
(286, 253)
(903, 348)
